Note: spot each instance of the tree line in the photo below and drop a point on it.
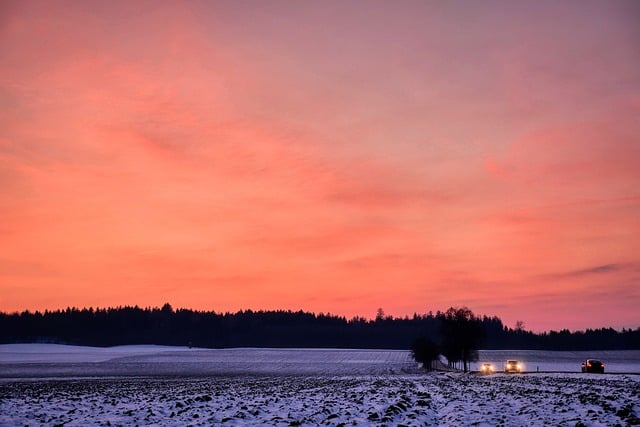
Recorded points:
(247, 328)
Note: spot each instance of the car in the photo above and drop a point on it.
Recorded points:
(593, 365)
(512, 366)
(487, 368)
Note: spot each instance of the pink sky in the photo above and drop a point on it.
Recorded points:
(326, 156)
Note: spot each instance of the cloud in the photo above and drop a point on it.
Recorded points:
(608, 268)
(386, 153)
(584, 158)
(598, 270)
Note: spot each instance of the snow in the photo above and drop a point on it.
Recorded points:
(151, 385)
(429, 399)
(46, 360)
(52, 353)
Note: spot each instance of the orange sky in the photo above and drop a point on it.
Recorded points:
(331, 156)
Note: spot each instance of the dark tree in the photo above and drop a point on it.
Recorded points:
(426, 352)
(169, 326)
(462, 334)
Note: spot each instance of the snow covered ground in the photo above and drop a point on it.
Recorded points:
(430, 399)
(149, 385)
(52, 360)
(48, 360)
(56, 353)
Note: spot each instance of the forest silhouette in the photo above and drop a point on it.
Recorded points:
(282, 329)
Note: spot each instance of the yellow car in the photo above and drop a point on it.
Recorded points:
(513, 366)
(487, 368)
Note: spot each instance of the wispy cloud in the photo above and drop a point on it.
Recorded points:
(603, 269)
(319, 156)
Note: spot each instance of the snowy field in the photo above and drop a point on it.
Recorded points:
(150, 385)
(50, 360)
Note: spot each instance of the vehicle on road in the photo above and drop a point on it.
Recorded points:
(592, 366)
(513, 366)
(487, 368)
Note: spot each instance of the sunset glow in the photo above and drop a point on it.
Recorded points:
(324, 156)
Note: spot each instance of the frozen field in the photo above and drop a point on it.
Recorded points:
(152, 385)
(431, 399)
(49, 360)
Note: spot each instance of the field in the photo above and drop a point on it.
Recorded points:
(56, 385)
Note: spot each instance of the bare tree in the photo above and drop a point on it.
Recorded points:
(462, 334)
(426, 352)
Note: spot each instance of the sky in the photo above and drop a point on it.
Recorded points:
(334, 156)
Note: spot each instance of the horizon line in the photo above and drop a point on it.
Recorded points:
(316, 314)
